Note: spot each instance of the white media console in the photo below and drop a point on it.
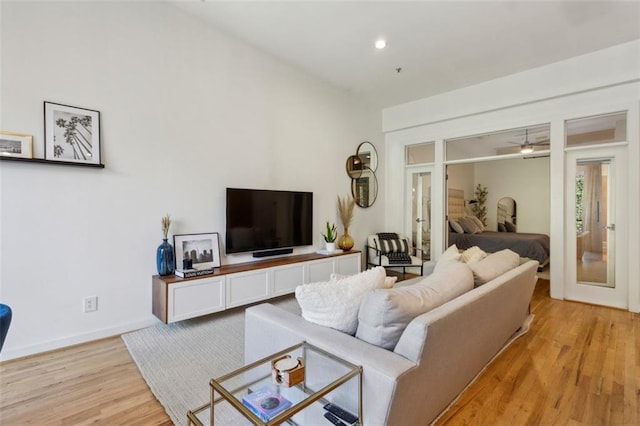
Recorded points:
(176, 299)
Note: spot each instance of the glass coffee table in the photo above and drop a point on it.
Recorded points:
(327, 379)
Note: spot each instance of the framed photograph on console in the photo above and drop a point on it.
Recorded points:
(15, 145)
(202, 249)
(71, 134)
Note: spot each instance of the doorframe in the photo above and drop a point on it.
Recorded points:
(619, 296)
(555, 110)
(409, 171)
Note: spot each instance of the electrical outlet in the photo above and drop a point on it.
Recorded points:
(90, 304)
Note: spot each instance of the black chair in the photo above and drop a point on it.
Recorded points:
(391, 250)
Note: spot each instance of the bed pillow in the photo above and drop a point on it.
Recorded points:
(455, 227)
(478, 222)
(501, 227)
(335, 304)
(510, 227)
(384, 314)
(469, 225)
(493, 266)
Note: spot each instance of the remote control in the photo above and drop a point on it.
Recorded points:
(333, 419)
(344, 415)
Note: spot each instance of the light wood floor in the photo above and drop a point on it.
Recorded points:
(579, 364)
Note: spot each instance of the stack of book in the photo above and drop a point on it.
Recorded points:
(266, 403)
(189, 273)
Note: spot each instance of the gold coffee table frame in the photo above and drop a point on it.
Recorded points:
(312, 396)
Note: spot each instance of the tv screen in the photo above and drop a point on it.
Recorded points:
(259, 219)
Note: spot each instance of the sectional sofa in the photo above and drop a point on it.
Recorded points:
(412, 372)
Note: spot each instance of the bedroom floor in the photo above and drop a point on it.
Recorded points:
(592, 268)
(545, 274)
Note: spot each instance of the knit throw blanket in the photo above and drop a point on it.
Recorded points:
(395, 248)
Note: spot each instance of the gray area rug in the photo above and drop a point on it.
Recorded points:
(178, 360)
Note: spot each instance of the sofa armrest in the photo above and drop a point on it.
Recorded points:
(269, 329)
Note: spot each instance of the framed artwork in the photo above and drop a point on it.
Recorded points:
(15, 144)
(202, 249)
(71, 134)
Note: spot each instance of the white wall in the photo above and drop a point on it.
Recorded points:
(462, 176)
(526, 181)
(186, 112)
(575, 75)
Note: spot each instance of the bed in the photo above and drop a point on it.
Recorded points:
(532, 246)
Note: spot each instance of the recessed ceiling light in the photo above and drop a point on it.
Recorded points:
(381, 44)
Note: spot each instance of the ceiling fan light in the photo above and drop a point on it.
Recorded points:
(526, 149)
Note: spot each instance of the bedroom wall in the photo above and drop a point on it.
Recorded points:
(186, 112)
(462, 176)
(526, 181)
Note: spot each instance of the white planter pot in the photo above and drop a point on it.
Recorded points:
(330, 246)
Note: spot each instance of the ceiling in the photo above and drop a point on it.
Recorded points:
(438, 45)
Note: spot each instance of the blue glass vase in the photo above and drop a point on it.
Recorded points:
(164, 258)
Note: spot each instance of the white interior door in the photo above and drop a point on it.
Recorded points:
(595, 227)
(418, 206)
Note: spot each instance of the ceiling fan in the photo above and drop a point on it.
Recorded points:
(526, 147)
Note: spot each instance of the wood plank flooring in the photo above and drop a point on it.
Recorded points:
(579, 364)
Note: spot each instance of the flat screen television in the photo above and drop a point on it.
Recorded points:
(266, 220)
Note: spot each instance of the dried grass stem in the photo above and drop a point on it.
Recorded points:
(345, 208)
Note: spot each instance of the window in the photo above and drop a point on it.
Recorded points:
(423, 153)
(525, 140)
(579, 189)
(601, 129)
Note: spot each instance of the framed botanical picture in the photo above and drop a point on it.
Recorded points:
(202, 249)
(15, 145)
(71, 134)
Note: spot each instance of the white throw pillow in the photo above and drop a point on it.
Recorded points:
(494, 265)
(384, 314)
(388, 281)
(450, 255)
(335, 304)
(472, 255)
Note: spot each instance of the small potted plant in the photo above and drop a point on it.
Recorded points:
(330, 235)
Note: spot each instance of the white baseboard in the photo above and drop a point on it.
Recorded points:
(50, 345)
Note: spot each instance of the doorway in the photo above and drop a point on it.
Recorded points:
(419, 221)
(595, 206)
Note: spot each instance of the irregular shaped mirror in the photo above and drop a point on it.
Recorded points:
(365, 188)
(507, 214)
(368, 155)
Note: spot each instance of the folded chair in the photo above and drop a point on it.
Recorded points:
(392, 250)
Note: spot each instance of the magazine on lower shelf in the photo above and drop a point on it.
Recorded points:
(266, 402)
